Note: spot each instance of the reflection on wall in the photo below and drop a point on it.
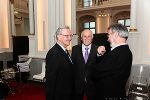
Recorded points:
(26, 25)
(20, 12)
(41, 25)
(4, 24)
(68, 16)
(149, 39)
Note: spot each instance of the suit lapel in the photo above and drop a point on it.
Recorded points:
(90, 54)
(81, 53)
(62, 52)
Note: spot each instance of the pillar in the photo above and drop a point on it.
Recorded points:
(31, 16)
(133, 15)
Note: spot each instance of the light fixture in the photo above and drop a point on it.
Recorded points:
(16, 12)
(103, 14)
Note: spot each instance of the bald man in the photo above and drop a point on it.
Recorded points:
(84, 57)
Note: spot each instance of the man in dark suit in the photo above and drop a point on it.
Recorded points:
(111, 73)
(83, 84)
(59, 74)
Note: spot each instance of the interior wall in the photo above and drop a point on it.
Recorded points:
(26, 26)
(121, 15)
(19, 29)
(21, 15)
(4, 24)
(103, 20)
(103, 24)
(83, 19)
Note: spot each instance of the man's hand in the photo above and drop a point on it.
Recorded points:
(101, 50)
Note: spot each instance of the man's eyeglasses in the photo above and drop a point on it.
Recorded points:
(67, 35)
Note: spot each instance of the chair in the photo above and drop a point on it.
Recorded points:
(24, 68)
(139, 82)
(133, 96)
(41, 76)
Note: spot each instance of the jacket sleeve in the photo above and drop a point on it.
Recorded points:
(51, 75)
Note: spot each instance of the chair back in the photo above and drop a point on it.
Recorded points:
(139, 82)
(41, 76)
(140, 73)
(25, 66)
(43, 68)
(29, 60)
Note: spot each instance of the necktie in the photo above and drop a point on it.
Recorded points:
(86, 55)
(69, 56)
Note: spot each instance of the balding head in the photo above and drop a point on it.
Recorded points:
(87, 37)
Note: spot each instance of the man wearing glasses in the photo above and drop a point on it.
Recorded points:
(59, 75)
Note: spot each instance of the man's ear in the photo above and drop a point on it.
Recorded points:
(59, 37)
(81, 39)
(116, 34)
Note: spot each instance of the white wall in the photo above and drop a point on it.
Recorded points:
(49, 15)
(140, 41)
(5, 30)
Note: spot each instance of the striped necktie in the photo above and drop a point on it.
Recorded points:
(69, 56)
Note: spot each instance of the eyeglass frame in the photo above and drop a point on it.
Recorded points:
(66, 35)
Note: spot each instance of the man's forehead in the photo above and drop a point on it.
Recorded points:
(87, 33)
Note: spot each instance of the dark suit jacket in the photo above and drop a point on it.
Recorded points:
(59, 78)
(111, 73)
(81, 70)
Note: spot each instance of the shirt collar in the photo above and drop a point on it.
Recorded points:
(61, 46)
(83, 46)
(118, 46)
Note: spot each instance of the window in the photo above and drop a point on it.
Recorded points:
(90, 26)
(125, 22)
(87, 3)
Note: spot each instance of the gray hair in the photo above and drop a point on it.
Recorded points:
(120, 29)
(59, 30)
